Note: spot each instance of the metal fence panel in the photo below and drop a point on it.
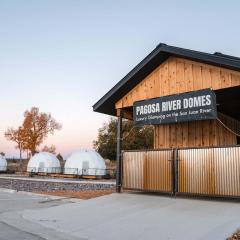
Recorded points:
(197, 171)
(133, 170)
(227, 171)
(209, 171)
(148, 170)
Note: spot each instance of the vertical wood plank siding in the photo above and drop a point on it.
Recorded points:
(194, 134)
(149, 171)
(177, 75)
(212, 171)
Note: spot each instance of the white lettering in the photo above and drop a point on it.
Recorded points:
(171, 105)
(138, 110)
(208, 100)
(199, 101)
(148, 109)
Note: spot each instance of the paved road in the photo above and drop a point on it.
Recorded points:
(10, 232)
(14, 227)
(117, 216)
(141, 216)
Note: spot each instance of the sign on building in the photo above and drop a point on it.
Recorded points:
(185, 107)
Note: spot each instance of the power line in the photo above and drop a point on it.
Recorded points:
(229, 129)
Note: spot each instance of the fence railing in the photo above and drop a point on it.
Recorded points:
(74, 171)
(196, 171)
(3, 168)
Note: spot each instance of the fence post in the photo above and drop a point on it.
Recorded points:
(119, 154)
(174, 171)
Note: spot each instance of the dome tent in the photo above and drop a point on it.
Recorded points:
(85, 162)
(44, 162)
(3, 164)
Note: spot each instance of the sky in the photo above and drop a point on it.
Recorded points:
(63, 55)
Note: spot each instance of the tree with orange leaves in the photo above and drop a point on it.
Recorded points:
(18, 136)
(35, 128)
(51, 149)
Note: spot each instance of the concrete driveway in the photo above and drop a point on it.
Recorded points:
(14, 227)
(117, 216)
(140, 216)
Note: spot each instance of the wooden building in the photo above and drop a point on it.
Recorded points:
(167, 71)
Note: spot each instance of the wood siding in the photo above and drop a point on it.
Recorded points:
(192, 134)
(177, 75)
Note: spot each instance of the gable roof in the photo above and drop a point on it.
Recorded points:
(107, 103)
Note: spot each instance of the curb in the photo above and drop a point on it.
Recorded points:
(7, 190)
(50, 197)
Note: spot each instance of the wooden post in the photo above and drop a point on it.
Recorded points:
(119, 153)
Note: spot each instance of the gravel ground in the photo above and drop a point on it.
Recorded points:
(87, 194)
(41, 186)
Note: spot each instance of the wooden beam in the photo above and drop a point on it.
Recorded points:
(127, 114)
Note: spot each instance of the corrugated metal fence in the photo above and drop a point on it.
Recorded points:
(196, 171)
(148, 170)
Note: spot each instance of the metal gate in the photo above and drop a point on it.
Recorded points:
(209, 171)
(148, 170)
(196, 171)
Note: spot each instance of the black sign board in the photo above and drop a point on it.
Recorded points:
(185, 107)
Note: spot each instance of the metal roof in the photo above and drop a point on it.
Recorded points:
(107, 103)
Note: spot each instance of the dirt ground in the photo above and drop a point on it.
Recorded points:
(86, 194)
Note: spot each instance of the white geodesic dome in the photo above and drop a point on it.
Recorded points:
(85, 162)
(44, 162)
(3, 164)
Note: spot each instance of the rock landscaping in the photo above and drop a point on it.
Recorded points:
(42, 186)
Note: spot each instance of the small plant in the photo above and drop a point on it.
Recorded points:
(235, 236)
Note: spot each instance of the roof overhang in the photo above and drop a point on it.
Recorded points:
(107, 103)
